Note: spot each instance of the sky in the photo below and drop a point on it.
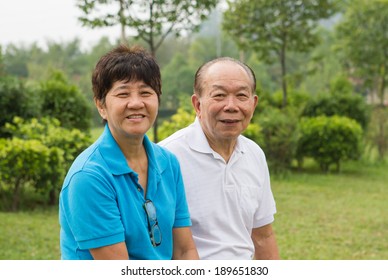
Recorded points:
(29, 21)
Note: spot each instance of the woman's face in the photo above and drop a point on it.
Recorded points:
(130, 109)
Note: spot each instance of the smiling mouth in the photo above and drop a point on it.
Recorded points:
(229, 121)
(132, 117)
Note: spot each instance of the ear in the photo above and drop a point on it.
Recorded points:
(195, 101)
(256, 100)
(100, 108)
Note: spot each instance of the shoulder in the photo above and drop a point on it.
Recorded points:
(163, 156)
(175, 138)
(252, 150)
(87, 164)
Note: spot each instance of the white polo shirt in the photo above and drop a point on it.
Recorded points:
(226, 200)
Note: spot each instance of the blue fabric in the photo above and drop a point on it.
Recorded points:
(101, 202)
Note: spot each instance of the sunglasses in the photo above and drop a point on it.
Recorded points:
(153, 226)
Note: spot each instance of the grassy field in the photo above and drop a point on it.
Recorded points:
(335, 216)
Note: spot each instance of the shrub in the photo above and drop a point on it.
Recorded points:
(347, 105)
(16, 100)
(182, 118)
(277, 134)
(65, 102)
(329, 140)
(24, 161)
(63, 146)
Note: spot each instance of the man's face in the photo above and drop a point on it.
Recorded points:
(227, 103)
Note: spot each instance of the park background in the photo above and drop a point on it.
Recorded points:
(322, 118)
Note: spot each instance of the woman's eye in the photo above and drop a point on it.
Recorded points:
(122, 94)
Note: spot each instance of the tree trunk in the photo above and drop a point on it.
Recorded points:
(53, 197)
(16, 195)
(382, 85)
(123, 37)
(284, 73)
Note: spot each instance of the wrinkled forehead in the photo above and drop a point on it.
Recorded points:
(227, 72)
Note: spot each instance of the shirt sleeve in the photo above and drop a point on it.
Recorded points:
(267, 209)
(90, 208)
(182, 216)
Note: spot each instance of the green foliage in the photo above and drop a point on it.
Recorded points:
(23, 161)
(2, 70)
(46, 150)
(177, 80)
(15, 62)
(296, 101)
(181, 119)
(363, 40)
(50, 132)
(329, 140)
(274, 28)
(16, 100)
(341, 85)
(65, 102)
(352, 106)
(377, 134)
(276, 24)
(254, 133)
(154, 20)
(277, 134)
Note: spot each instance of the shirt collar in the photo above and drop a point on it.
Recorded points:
(198, 141)
(115, 159)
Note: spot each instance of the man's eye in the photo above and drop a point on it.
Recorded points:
(218, 95)
(242, 96)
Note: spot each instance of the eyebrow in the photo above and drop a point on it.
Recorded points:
(126, 86)
(223, 88)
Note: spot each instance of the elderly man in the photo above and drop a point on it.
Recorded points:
(225, 174)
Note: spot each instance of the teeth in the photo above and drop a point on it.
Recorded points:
(135, 117)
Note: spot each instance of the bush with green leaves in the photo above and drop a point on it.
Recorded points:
(16, 100)
(182, 118)
(58, 145)
(347, 105)
(65, 102)
(23, 162)
(329, 140)
(277, 134)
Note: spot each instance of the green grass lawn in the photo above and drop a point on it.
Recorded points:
(29, 235)
(335, 216)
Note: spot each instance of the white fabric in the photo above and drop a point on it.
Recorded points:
(226, 200)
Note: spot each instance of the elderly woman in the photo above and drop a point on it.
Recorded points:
(123, 197)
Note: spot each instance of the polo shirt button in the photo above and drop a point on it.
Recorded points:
(139, 189)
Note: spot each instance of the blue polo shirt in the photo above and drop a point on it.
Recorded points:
(101, 202)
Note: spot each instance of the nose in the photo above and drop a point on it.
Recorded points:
(231, 104)
(135, 102)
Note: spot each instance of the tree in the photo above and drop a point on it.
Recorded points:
(363, 39)
(273, 28)
(15, 60)
(152, 20)
(2, 70)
